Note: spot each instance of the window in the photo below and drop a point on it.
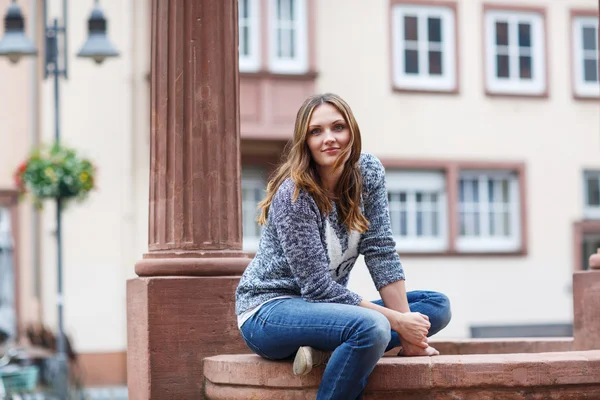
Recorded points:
(288, 36)
(585, 56)
(592, 194)
(515, 55)
(489, 217)
(8, 310)
(424, 44)
(249, 35)
(590, 244)
(253, 192)
(417, 203)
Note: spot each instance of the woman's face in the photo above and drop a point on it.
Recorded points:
(328, 133)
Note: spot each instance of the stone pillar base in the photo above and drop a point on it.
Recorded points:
(173, 324)
(586, 304)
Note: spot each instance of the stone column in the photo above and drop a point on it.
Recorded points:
(181, 308)
(586, 303)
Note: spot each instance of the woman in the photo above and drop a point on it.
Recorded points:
(326, 204)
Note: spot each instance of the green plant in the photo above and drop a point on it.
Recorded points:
(53, 172)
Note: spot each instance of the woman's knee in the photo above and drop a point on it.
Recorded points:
(443, 312)
(374, 329)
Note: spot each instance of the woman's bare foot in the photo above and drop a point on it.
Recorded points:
(409, 350)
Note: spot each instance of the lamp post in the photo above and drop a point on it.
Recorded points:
(15, 45)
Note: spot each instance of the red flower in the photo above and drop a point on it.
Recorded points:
(18, 177)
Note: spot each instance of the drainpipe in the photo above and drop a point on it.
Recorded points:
(35, 139)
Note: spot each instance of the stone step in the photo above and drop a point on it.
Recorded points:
(555, 375)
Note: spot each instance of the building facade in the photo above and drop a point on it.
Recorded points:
(485, 114)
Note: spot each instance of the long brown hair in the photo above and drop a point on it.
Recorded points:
(301, 168)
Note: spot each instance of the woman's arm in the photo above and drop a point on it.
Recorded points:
(394, 296)
(377, 243)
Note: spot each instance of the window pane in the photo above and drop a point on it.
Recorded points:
(505, 192)
(292, 43)
(410, 28)
(507, 227)
(280, 9)
(502, 68)
(525, 67)
(403, 197)
(434, 28)
(419, 223)
(491, 221)
(419, 197)
(475, 189)
(245, 41)
(435, 223)
(435, 62)
(524, 35)
(590, 70)
(291, 10)
(461, 190)
(593, 191)
(279, 43)
(258, 196)
(476, 224)
(403, 224)
(411, 61)
(243, 8)
(461, 220)
(589, 38)
(502, 33)
(470, 220)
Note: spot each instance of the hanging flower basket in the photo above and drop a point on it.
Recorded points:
(55, 172)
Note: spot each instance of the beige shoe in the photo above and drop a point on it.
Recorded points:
(307, 358)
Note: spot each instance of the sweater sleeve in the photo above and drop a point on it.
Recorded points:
(296, 224)
(377, 243)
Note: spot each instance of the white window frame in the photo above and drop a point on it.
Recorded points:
(422, 80)
(252, 178)
(589, 211)
(417, 181)
(299, 64)
(484, 242)
(581, 87)
(250, 62)
(513, 84)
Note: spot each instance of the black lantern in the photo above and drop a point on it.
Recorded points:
(97, 47)
(15, 44)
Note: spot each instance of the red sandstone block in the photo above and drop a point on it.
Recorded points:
(503, 346)
(252, 370)
(586, 306)
(517, 370)
(510, 374)
(393, 373)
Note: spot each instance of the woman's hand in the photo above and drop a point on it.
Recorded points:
(412, 327)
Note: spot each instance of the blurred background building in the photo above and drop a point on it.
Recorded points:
(486, 116)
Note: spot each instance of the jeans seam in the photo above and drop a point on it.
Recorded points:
(262, 353)
(422, 300)
(298, 327)
(339, 376)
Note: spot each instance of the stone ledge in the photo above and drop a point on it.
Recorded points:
(501, 346)
(561, 374)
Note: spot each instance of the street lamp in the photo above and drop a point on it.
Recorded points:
(97, 47)
(14, 45)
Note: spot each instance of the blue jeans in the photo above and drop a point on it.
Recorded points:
(357, 336)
